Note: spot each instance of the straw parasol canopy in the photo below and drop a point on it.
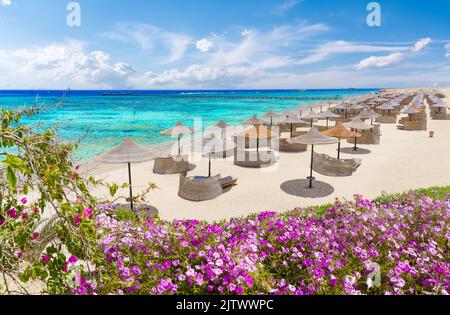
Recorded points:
(312, 116)
(126, 153)
(257, 132)
(340, 132)
(328, 114)
(254, 121)
(271, 114)
(368, 114)
(410, 110)
(386, 107)
(357, 124)
(222, 125)
(293, 119)
(313, 137)
(178, 130)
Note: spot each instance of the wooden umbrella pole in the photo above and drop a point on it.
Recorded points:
(291, 129)
(339, 149)
(209, 166)
(131, 187)
(311, 169)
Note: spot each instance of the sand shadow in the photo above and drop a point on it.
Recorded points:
(360, 151)
(300, 188)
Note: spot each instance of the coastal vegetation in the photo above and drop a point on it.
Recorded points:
(54, 231)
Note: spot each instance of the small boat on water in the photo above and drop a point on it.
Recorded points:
(117, 94)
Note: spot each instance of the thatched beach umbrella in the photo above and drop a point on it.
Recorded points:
(293, 119)
(178, 130)
(126, 153)
(357, 124)
(410, 110)
(271, 114)
(254, 121)
(313, 137)
(328, 114)
(311, 116)
(386, 107)
(368, 114)
(258, 133)
(340, 132)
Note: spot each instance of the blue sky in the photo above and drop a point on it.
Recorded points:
(218, 44)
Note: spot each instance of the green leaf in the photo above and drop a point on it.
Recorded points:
(11, 177)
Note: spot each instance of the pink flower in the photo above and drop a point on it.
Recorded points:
(2, 220)
(73, 259)
(44, 259)
(24, 215)
(24, 200)
(35, 236)
(12, 213)
(88, 213)
(77, 167)
(77, 220)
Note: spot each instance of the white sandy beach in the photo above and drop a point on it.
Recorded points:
(404, 160)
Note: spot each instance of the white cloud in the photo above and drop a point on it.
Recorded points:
(204, 45)
(339, 47)
(246, 32)
(286, 6)
(381, 62)
(150, 37)
(421, 44)
(447, 47)
(5, 3)
(61, 64)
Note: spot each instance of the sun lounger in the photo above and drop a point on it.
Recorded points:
(285, 146)
(228, 182)
(329, 166)
(200, 188)
(254, 159)
(172, 165)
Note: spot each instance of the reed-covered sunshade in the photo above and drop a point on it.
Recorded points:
(312, 138)
(254, 121)
(311, 116)
(368, 114)
(357, 124)
(258, 133)
(328, 114)
(291, 120)
(126, 153)
(177, 131)
(410, 110)
(271, 114)
(340, 132)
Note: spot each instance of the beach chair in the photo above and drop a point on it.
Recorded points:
(330, 166)
(172, 165)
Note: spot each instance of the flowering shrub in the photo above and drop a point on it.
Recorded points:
(294, 253)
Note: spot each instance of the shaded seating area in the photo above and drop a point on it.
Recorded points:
(416, 120)
(329, 166)
(286, 146)
(199, 188)
(253, 147)
(357, 125)
(293, 122)
(254, 159)
(172, 165)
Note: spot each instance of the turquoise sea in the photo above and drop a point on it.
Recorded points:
(103, 118)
